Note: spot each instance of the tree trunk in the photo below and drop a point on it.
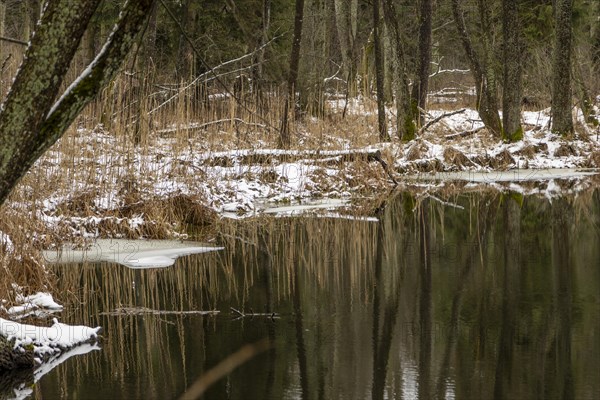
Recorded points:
(562, 120)
(485, 85)
(290, 101)
(346, 24)
(379, 74)
(405, 122)
(420, 87)
(259, 58)
(512, 81)
(184, 53)
(30, 121)
(596, 37)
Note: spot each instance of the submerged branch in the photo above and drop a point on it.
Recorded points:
(252, 314)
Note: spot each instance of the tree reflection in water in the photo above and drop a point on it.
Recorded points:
(497, 299)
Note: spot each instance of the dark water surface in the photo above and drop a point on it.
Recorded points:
(498, 299)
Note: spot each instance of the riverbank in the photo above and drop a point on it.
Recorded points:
(180, 181)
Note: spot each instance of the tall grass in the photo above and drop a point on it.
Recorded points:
(140, 131)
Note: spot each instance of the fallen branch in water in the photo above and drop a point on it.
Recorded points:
(252, 314)
(144, 310)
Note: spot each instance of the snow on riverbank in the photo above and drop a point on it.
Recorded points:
(107, 188)
(46, 341)
(41, 347)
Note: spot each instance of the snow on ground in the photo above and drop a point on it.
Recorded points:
(248, 181)
(6, 242)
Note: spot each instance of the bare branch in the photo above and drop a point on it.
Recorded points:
(438, 118)
(16, 41)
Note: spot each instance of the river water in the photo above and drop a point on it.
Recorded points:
(481, 295)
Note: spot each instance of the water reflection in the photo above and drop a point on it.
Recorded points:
(496, 300)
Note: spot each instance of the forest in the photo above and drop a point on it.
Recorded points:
(196, 121)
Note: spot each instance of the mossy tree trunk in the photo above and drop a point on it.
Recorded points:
(562, 120)
(512, 54)
(285, 139)
(421, 86)
(482, 71)
(31, 119)
(405, 119)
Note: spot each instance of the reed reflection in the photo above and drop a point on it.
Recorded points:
(431, 301)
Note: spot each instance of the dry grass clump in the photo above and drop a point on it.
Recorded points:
(20, 257)
(502, 161)
(456, 158)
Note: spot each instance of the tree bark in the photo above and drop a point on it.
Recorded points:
(512, 73)
(562, 120)
(284, 135)
(485, 85)
(346, 24)
(405, 121)
(259, 58)
(421, 85)
(29, 122)
(379, 74)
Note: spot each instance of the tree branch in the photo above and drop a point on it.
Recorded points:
(16, 41)
(134, 15)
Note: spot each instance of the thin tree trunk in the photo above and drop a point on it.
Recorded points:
(284, 135)
(512, 87)
(379, 74)
(184, 53)
(420, 88)
(257, 71)
(562, 120)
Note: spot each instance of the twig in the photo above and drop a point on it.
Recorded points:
(15, 41)
(377, 157)
(435, 120)
(204, 125)
(464, 133)
(446, 203)
(252, 314)
(450, 71)
(241, 314)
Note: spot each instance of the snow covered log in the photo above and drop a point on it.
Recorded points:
(28, 346)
